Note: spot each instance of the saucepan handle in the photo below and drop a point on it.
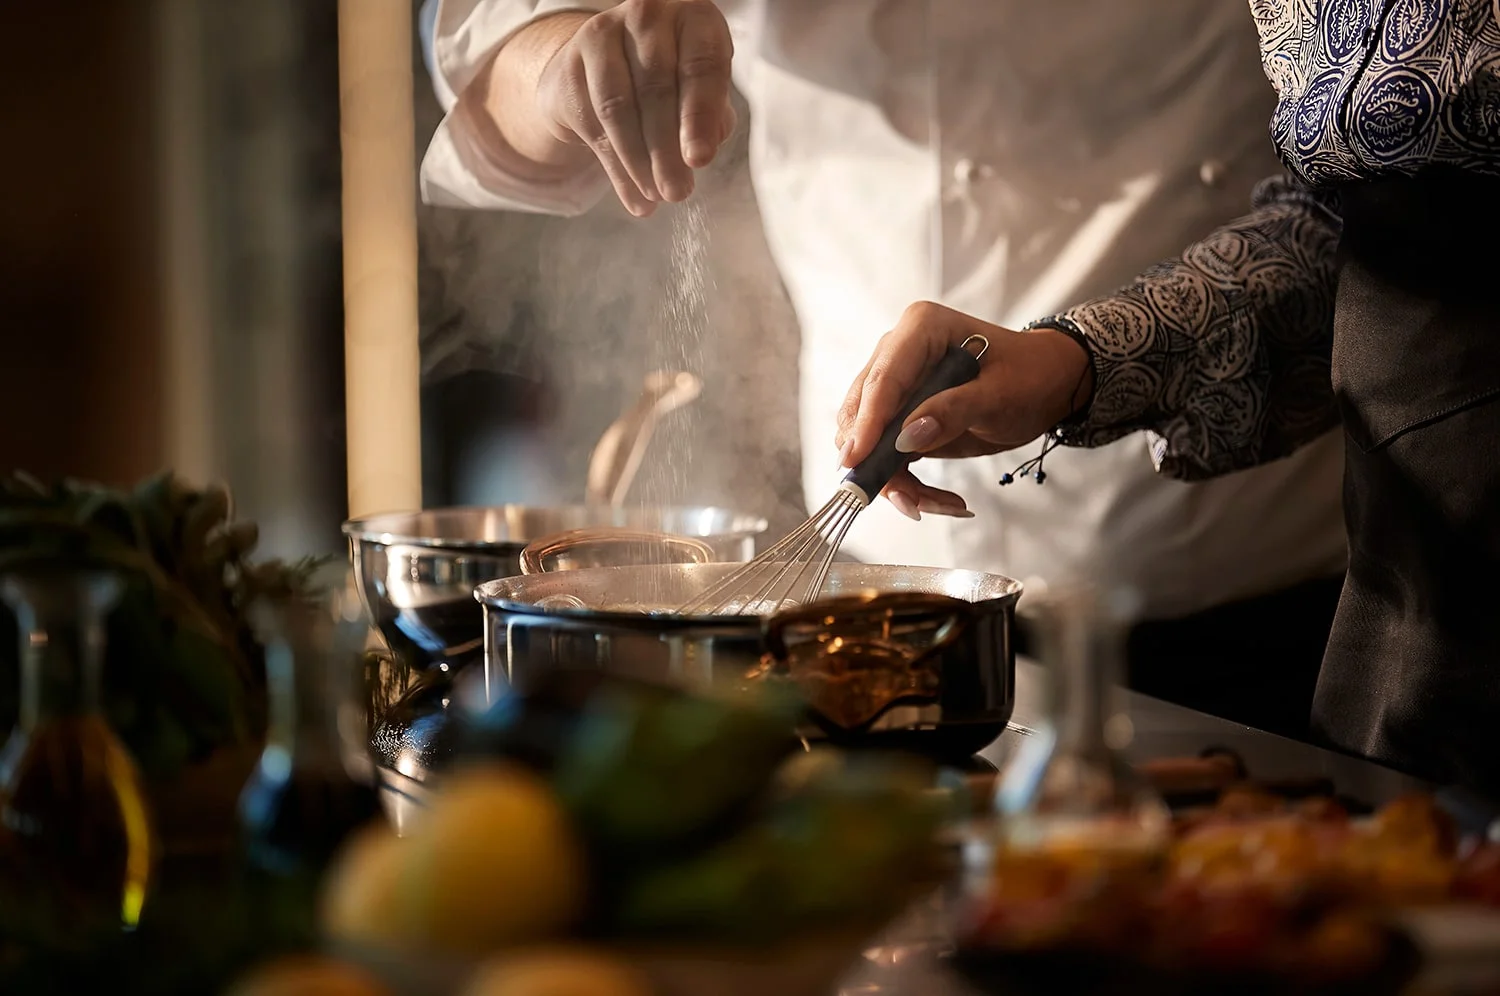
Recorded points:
(541, 556)
(957, 367)
(839, 612)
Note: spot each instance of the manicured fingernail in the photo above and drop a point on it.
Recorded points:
(904, 505)
(952, 511)
(844, 451)
(698, 152)
(918, 435)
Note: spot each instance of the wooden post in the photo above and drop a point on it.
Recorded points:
(381, 363)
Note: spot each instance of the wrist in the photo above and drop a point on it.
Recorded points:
(509, 93)
(1069, 360)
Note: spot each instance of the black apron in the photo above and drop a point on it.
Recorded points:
(1411, 677)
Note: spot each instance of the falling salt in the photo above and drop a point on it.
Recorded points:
(677, 345)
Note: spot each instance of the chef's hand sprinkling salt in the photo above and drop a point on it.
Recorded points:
(642, 89)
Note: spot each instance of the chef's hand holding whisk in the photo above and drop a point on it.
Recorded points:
(1028, 383)
(642, 88)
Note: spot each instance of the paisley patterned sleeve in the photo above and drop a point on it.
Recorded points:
(1223, 353)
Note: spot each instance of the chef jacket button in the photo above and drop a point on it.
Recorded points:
(1211, 172)
(967, 171)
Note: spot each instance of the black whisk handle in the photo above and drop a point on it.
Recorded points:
(957, 367)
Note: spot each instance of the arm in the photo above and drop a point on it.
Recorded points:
(466, 164)
(1223, 353)
(549, 102)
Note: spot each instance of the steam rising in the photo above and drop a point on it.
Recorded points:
(582, 309)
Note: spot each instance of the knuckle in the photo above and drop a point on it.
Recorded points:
(922, 313)
(597, 30)
(642, 16)
(888, 352)
(703, 65)
(696, 113)
(655, 84)
(614, 107)
(880, 372)
(705, 12)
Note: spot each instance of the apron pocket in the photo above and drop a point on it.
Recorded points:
(1396, 364)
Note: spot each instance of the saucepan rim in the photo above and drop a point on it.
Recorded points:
(492, 596)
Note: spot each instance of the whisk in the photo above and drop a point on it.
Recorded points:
(795, 569)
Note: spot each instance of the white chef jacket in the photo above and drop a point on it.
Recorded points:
(1077, 143)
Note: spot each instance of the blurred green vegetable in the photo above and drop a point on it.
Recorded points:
(184, 673)
(649, 769)
(844, 844)
(706, 818)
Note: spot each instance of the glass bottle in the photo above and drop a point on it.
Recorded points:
(1069, 792)
(76, 822)
(314, 783)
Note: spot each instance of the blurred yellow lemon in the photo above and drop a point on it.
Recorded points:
(494, 863)
(557, 972)
(306, 975)
(362, 895)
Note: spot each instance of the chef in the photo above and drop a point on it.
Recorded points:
(1007, 159)
(1360, 291)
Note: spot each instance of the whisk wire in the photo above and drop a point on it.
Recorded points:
(778, 575)
(850, 510)
(767, 583)
(783, 583)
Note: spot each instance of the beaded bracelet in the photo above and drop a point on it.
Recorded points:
(1055, 437)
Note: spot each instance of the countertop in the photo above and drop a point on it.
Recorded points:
(1162, 729)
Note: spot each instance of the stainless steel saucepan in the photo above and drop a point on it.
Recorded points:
(909, 656)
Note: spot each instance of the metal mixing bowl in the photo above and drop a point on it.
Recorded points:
(417, 571)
